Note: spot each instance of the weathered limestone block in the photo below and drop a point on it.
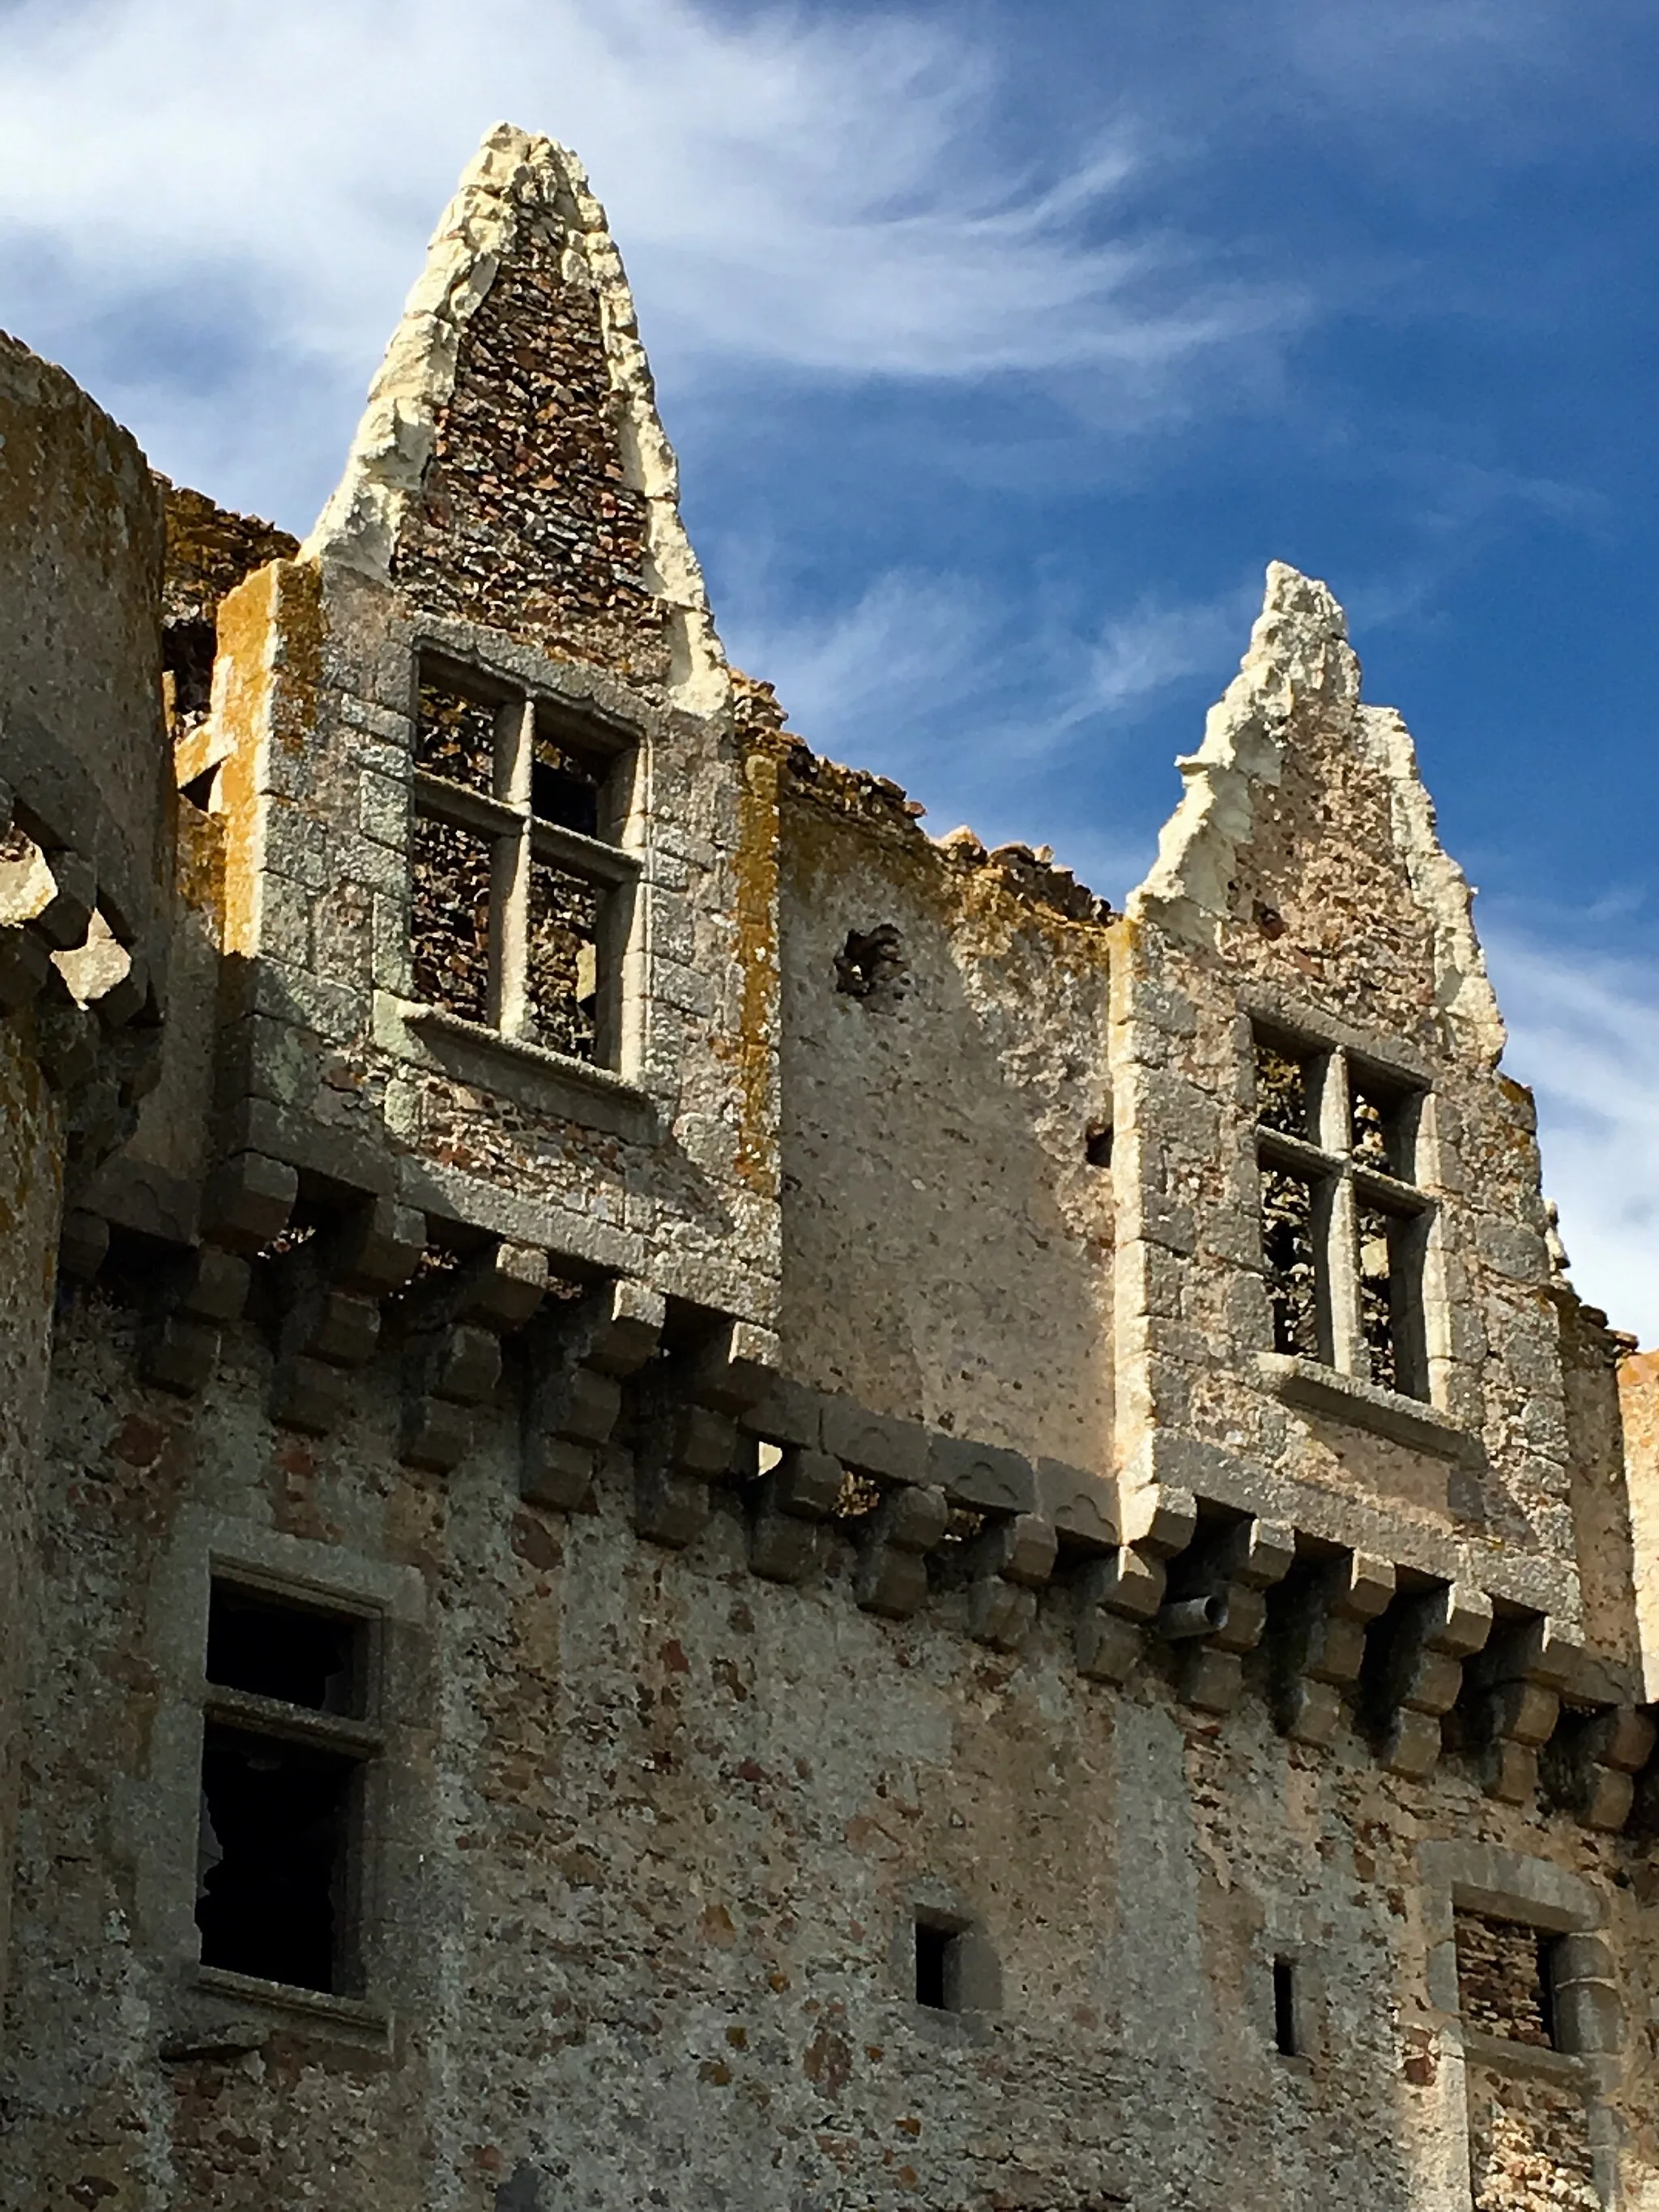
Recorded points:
(1218, 1605)
(1429, 1638)
(453, 1353)
(983, 1478)
(1320, 1645)
(1011, 1560)
(1519, 1676)
(330, 1326)
(892, 1572)
(205, 1290)
(1595, 1759)
(791, 1504)
(686, 1436)
(579, 1359)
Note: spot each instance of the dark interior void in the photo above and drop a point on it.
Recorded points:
(275, 1649)
(564, 788)
(275, 1822)
(1284, 2007)
(934, 1977)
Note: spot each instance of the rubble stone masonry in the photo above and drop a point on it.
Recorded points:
(708, 1504)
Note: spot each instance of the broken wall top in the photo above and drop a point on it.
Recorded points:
(1305, 845)
(510, 470)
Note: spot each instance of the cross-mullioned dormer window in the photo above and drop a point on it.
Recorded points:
(1344, 1224)
(519, 882)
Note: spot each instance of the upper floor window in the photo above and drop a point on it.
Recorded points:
(520, 887)
(1344, 1224)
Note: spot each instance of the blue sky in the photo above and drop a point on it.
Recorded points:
(1004, 344)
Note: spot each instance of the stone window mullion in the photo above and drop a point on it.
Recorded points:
(509, 898)
(1340, 1225)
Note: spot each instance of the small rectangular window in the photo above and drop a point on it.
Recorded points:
(936, 1965)
(283, 1759)
(1284, 2026)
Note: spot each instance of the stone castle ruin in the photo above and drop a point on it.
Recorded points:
(706, 1504)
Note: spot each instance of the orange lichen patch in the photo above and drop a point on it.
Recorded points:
(270, 640)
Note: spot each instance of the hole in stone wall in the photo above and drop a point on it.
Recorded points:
(1290, 1257)
(1285, 2034)
(1283, 1088)
(455, 734)
(202, 791)
(1506, 1979)
(1097, 1146)
(561, 968)
(870, 966)
(449, 919)
(937, 1945)
(188, 650)
(94, 968)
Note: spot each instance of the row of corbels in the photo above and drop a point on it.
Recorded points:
(334, 1285)
(94, 1001)
(1347, 1638)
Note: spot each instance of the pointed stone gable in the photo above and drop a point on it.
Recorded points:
(1305, 846)
(510, 470)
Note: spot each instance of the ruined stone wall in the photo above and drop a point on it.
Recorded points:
(646, 1869)
(85, 877)
(1300, 887)
(948, 1238)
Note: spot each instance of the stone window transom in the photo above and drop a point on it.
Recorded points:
(1345, 1224)
(520, 888)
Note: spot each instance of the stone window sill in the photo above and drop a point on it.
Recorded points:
(546, 1082)
(1319, 1389)
(317, 2005)
(1508, 2057)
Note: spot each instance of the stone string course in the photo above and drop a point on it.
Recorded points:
(819, 1466)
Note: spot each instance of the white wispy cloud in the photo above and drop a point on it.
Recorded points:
(984, 711)
(1584, 1033)
(826, 195)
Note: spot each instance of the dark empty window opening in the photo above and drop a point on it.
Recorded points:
(271, 1647)
(1506, 1979)
(1284, 1088)
(1290, 1251)
(1285, 2032)
(871, 965)
(1097, 1146)
(514, 923)
(283, 1755)
(936, 1956)
(565, 785)
(276, 1821)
